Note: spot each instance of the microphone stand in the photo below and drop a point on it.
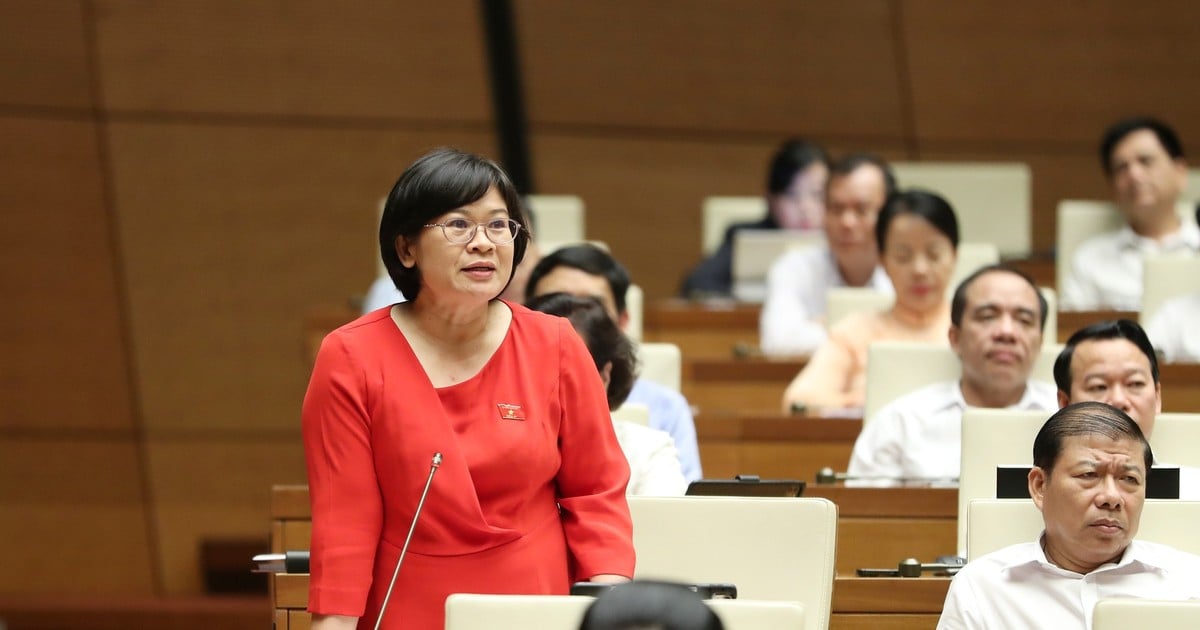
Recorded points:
(433, 467)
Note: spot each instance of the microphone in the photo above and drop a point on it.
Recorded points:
(913, 568)
(433, 466)
(827, 476)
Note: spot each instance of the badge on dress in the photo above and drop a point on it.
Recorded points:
(510, 412)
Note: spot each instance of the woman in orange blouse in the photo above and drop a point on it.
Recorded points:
(917, 236)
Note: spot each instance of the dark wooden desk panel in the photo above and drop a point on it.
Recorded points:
(702, 330)
(773, 446)
(1180, 386)
(1071, 321)
(752, 385)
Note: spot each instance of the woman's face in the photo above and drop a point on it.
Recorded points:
(478, 268)
(919, 259)
(802, 205)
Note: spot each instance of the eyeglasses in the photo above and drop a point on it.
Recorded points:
(459, 231)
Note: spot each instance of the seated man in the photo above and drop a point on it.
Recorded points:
(997, 316)
(1143, 160)
(588, 271)
(1090, 462)
(1113, 362)
(795, 194)
(793, 315)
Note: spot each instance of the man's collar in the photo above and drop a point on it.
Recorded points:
(1135, 552)
(1188, 235)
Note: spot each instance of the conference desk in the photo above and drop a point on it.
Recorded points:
(773, 445)
(858, 603)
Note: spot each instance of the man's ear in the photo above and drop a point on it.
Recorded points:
(952, 335)
(623, 320)
(606, 374)
(1037, 485)
(1063, 399)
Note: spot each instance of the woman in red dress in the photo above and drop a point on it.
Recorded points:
(530, 494)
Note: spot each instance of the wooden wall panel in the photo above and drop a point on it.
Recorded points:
(74, 521)
(214, 488)
(643, 195)
(231, 234)
(65, 364)
(1049, 73)
(774, 67)
(43, 55)
(378, 59)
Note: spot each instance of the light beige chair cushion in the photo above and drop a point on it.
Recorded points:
(1175, 440)
(991, 199)
(1125, 614)
(635, 307)
(896, 368)
(1165, 277)
(560, 612)
(771, 548)
(662, 363)
(557, 218)
(994, 524)
(1191, 190)
(754, 251)
(718, 213)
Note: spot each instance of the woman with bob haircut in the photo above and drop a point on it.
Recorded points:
(654, 468)
(530, 494)
(917, 236)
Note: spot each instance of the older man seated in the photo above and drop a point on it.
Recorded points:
(996, 320)
(1089, 481)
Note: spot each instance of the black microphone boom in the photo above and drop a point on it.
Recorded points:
(433, 466)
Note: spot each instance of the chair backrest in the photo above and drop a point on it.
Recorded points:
(1191, 190)
(991, 438)
(718, 213)
(466, 611)
(557, 218)
(1165, 277)
(1126, 613)
(771, 548)
(841, 301)
(637, 413)
(662, 363)
(895, 368)
(991, 199)
(754, 251)
(634, 306)
(994, 524)
(1175, 438)
(1079, 220)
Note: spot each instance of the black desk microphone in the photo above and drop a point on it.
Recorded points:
(433, 466)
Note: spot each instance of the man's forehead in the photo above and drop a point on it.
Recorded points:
(1103, 355)
(576, 282)
(1097, 450)
(1001, 289)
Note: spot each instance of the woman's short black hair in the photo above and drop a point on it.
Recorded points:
(604, 339)
(793, 156)
(925, 204)
(642, 604)
(438, 182)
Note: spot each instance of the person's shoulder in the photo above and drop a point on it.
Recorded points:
(641, 434)
(999, 560)
(859, 324)
(1165, 556)
(1043, 395)
(650, 393)
(1099, 245)
(923, 401)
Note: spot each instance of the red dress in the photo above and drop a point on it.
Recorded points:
(527, 435)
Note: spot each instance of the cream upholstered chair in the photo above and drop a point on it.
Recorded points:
(1191, 190)
(1125, 613)
(1165, 277)
(662, 363)
(1174, 441)
(841, 301)
(1079, 220)
(560, 612)
(557, 218)
(754, 251)
(771, 548)
(991, 199)
(895, 368)
(634, 307)
(994, 524)
(718, 213)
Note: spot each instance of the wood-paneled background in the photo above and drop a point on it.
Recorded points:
(183, 181)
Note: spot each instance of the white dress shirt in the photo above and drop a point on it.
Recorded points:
(1016, 587)
(1173, 329)
(670, 412)
(793, 314)
(1106, 271)
(653, 461)
(919, 435)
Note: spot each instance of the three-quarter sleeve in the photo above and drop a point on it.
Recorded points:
(346, 505)
(593, 473)
(827, 379)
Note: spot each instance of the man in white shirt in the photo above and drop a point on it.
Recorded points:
(588, 271)
(997, 316)
(1090, 463)
(1144, 162)
(793, 315)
